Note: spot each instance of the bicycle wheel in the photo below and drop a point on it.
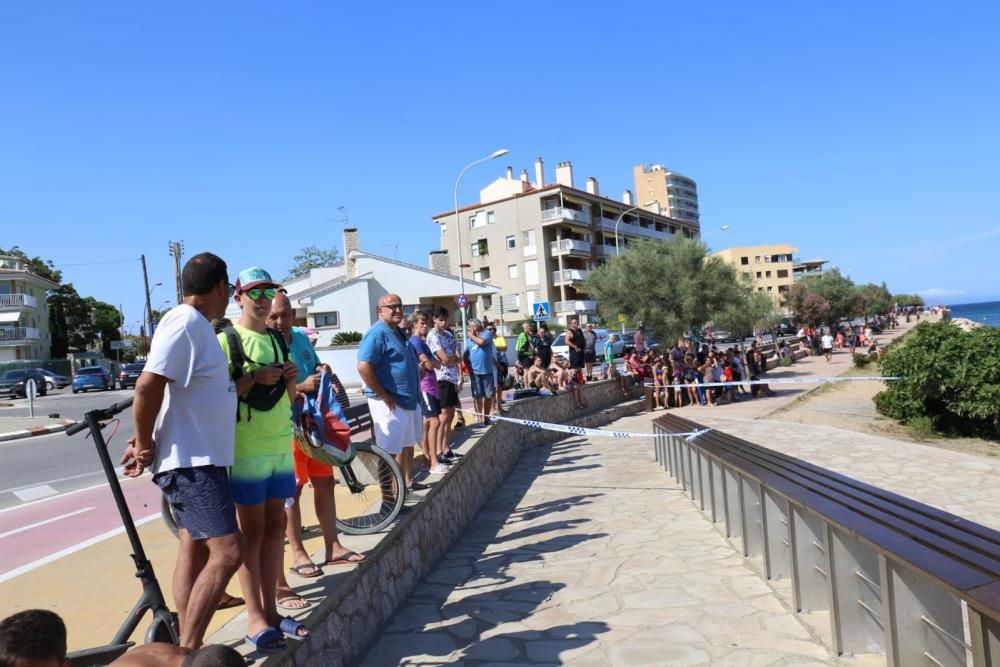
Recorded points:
(369, 492)
(167, 515)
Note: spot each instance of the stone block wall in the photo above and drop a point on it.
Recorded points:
(352, 617)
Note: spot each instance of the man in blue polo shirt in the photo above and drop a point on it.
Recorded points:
(483, 362)
(389, 370)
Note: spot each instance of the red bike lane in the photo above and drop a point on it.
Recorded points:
(43, 531)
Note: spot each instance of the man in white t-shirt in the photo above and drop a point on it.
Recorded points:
(826, 342)
(185, 424)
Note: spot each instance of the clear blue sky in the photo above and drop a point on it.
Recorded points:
(864, 133)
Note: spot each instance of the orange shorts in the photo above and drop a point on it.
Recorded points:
(308, 468)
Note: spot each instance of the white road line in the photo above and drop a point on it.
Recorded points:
(68, 493)
(15, 489)
(42, 523)
(28, 567)
(35, 492)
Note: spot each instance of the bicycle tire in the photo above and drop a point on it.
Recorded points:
(380, 501)
(167, 515)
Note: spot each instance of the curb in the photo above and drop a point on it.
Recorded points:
(37, 430)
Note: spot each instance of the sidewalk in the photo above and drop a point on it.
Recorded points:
(590, 555)
(14, 428)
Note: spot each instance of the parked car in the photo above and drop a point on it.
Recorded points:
(54, 380)
(559, 345)
(92, 377)
(15, 383)
(629, 341)
(130, 374)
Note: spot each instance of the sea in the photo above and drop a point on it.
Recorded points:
(987, 312)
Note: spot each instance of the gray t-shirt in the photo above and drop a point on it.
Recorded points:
(589, 341)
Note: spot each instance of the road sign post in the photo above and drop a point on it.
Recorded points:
(30, 390)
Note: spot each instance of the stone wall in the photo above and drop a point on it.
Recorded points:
(352, 617)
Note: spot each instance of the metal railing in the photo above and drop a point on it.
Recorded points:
(578, 306)
(562, 213)
(17, 301)
(569, 275)
(568, 245)
(17, 334)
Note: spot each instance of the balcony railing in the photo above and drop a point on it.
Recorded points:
(567, 246)
(17, 335)
(560, 214)
(578, 306)
(17, 301)
(569, 276)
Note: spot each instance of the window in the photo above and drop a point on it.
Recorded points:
(782, 273)
(477, 220)
(480, 248)
(531, 272)
(481, 275)
(767, 259)
(756, 259)
(511, 242)
(487, 302)
(767, 274)
(769, 289)
(744, 260)
(748, 274)
(759, 275)
(330, 319)
(531, 296)
(512, 271)
(528, 242)
(491, 218)
(444, 228)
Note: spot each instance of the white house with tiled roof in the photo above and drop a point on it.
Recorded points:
(24, 312)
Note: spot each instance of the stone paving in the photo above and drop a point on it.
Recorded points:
(589, 555)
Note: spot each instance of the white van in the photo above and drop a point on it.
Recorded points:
(559, 345)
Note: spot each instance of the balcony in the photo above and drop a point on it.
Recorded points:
(18, 335)
(17, 301)
(569, 247)
(569, 276)
(561, 214)
(584, 306)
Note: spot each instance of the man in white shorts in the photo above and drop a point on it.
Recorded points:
(389, 370)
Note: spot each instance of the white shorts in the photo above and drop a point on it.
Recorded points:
(395, 429)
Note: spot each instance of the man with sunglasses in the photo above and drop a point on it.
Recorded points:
(262, 476)
(389, 369)
(184, 430)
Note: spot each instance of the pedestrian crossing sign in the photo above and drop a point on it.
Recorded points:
(540, 311)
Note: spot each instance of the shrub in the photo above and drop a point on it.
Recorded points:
(786, 362)
(922, 427)
(861, 360)
(347, 338)
(952, 379)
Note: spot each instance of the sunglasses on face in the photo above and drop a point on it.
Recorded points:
(232, 289)
(393, 306)
(257, 292)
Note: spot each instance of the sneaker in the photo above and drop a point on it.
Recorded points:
(439, 469)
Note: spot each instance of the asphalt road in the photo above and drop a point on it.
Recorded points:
(47, 465)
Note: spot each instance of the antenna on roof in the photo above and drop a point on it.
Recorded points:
(344, 220)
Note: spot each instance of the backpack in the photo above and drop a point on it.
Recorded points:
(321, 430)
(261, 397)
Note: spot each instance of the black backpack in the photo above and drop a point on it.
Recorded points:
(261, 397)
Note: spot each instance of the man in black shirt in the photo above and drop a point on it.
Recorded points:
(543, 345)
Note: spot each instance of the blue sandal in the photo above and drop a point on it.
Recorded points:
(291, 628)
(267, 640)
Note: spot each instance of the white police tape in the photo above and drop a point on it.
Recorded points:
(580, 430)
(737, 383)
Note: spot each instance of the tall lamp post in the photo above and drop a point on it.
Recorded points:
(458, 226)
(723, 228)
(623, 214)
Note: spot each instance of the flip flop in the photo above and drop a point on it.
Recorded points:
(348, 558)
(306, 570)
(291, 628)
(267, 640)
(417, 486)
(283, 603)
(229, 601)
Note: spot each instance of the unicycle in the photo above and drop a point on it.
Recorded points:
(164, 625)
(369, 491)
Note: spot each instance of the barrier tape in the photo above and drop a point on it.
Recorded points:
(580, 430)
(743, 383)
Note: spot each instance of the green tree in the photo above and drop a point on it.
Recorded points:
(808, 306)
(312, 257)
(79, 323)
(873, 300)
(40, 267)
(838, 291)
(755, 310)
(907, 300)
(672, 287)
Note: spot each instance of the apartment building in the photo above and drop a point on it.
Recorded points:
(676, 194)
(769, 267)
(24, 312)
(538, 241)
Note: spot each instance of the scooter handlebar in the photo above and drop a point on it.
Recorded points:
(100, 413)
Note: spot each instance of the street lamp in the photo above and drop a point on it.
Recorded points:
(723, 228)
(623, 213)
(458, 225)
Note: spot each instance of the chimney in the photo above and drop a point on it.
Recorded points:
(439, 261)
(564, 174)
(351, 246)
(510, 173)
(627, 197)
(539, 173)
(524, 175)
(592, 186)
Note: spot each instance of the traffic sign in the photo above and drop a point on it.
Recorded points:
(461, 301)
(540, 311)
(121, 345)
(621, 317)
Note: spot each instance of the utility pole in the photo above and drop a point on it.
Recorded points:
(149, 308)
(177, 251)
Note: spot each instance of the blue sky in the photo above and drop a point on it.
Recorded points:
(864, 133)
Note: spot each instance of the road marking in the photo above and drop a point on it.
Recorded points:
(42, 523)
(68, 493)
(28, 567)
(35, 492)
(57, 480)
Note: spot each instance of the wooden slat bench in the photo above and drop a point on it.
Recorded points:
(897, 576)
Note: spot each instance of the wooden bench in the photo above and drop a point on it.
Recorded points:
(897, 577)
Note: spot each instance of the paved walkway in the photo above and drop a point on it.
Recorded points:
(14, 428)
(589, 555)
